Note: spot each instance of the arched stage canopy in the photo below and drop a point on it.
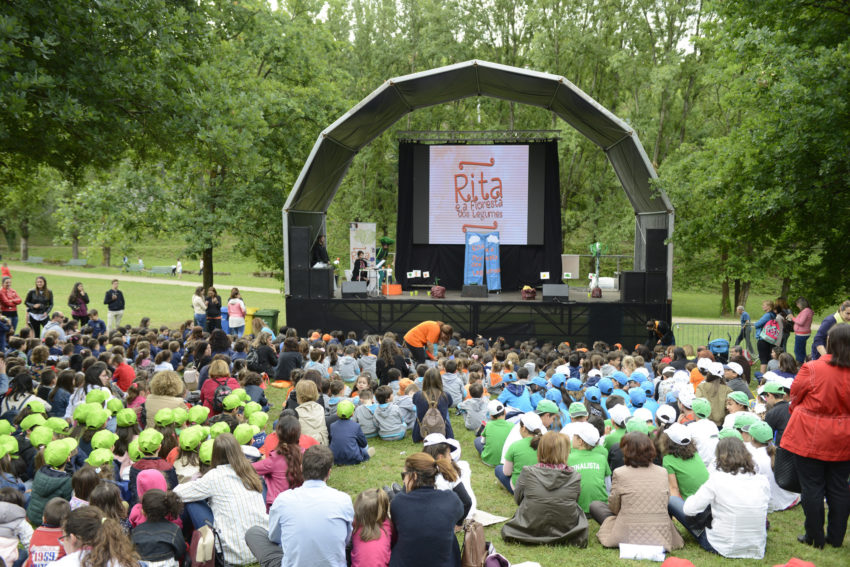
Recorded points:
(337, 145)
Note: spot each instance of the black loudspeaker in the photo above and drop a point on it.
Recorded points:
(656, 250)
(556, 293)
(299, 247)
(299, 283)
(656, 287)
(321, 283)
(355, 290)
(474, 291)
(632, 286)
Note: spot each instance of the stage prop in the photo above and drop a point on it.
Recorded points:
(361, 238)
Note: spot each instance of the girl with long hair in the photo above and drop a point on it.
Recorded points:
(370, 543)
(78, 301)
(92, 539)
(281, 469)
(236, 313)
(199, 308)
(60, 395)
(212, 302)
(39, 302)
(431, 395)
(389, 356)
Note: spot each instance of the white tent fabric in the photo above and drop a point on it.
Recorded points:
(337, 145)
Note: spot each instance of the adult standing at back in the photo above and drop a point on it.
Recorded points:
(817, 434)
(236, 313)
(114, 300)
(39, 303)
(762, 345)
(422, 338)
(840, 317)
(746, 332)
(802, 328)
(199, 307)
(9, 301)
(213, 309)
(78, 301)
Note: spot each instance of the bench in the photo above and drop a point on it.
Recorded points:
(34, 260)
(134, 268)
(161, 270)
(79, 262)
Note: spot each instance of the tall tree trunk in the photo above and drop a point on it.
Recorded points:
(75, 247)
(724, 296)
(737, 292)
(207, 256)
(786, 287)
(107, 255)
(745, 293)
(25, 239)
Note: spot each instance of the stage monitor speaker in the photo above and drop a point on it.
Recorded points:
(321, 283)
(299, 283)
(299, 247)
(656, 287)
(632, 286)
(656, 250)
(556, 293)
(355, 290)
(474, 291)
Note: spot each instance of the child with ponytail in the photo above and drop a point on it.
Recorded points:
(370, 543)
(522, 452)
(92, 539)
(281, 469)
(758, 438)
(158, 541)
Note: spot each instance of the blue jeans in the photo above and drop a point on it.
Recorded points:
(237, 330)
(800, 347)
(694, 524)
(200, 513)
(479, 444)
(13, 321)
(505, 480)
(201, 320)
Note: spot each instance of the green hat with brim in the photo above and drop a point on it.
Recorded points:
(180, 416)
(251, 408)
(150, 441)
(104, 440)
(387, 240)
(57, 424)
(57, 452)
(243, 395)
(743, 419)
(205, 452)
(637, 425)
(578, 409)
(114, 405)
(133, 450)
(344, 409)
(739, 398)
(218, 428)
(164, 417)
(773, 388)
(244, 433)
(10, 443)
(547, 406)
(760, 431)
(701, 407)
(97, 418)
(724, 433)
(232, 401)
(191, 437)
(199, 414)
(6, 428)
(97, 396)
(41, 436)
(32, 420)
(100, 457)
(127, 418)
(37, 407)
(260, 419)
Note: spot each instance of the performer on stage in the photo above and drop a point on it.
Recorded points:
(422, 338)
(358, 270)
(320, 253)
(384, 254)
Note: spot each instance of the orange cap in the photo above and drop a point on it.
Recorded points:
(403, 384)
(315, 336)
(469, 342)
(326, 337)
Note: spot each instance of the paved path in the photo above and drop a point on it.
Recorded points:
(127, 277)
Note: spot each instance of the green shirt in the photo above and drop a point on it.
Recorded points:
(495, 433)
(521, 455)
(613, 438)
(690, 474)
(593, 468)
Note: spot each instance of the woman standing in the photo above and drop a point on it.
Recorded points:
(212, 304)
(802, 328)
(39, 302)
(9, 301)
(236, 313)
(78, 301)
(199, 306)
(762, 345)
(817, 434)
(432, 395)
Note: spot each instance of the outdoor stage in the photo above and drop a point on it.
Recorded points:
(580, 319)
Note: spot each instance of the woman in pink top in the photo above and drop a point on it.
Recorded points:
(802, 329)
(281, 469)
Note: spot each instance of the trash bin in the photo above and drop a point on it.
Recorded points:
(249, 319)
(269, 316)
(224, 323)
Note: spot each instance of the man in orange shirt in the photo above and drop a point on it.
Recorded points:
(421, 338)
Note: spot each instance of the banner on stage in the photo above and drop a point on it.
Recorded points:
(361, 237)
(494, 271)
(482, 260)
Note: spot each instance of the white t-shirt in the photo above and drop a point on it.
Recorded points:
(780, 499)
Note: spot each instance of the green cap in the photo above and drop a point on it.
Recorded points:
(127, 418)
(133, 450)
(114, 405)
(260, 419)
(97, 396)
(724, 433)
(97, 418)
(104, 440)
(739, 398)
(41, 435)
(205, 429)
(180, 416)
(232, 401)
(744, 418)
(57, 452)
(205, 452)
(57, 424)
(80, 413)
(638, 425)
(100, 457)
(10, 443)
(31, 421)
(4, 450)
(191, 437)
(150, 441)
(760, 431)
(548, 406)
(6, 427)
(37, 407)
(218, 428)
(251, 408)
(244, 433)
(577, 409)
(345, 409)
(701, 407)
(199, 414)
(243, 395)
(164, 417)
(773, 388)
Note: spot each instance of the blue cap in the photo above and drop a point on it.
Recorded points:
(554, 394)
(558, 380)
(573, 385)
(672, 397)
(622, 393)
(509, 377)
(593, 394)
(538, 381)
(606, 385)
(620, 377)
(637, 397)
(648, 388)
(592, 380)
(637, 377)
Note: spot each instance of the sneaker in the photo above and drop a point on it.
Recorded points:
(370, 450)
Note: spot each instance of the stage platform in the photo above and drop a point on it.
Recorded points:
(581, 319)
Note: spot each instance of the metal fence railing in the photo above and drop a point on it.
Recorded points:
(697, 334)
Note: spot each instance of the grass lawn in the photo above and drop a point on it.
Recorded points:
(385, 466)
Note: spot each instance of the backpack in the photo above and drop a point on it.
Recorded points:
(206, 548)
(771, 332)
(221, 392)
(253, 360)
(432, 421)
(191, 377)
(474, 546)
(788, 327)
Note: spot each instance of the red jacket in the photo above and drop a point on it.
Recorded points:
(45, 547)
(210, 386)
(124, 376)
(9, 299)
(820, 412)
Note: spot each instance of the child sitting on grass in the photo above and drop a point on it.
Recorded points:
(388, 416)
(310, 414)
(348, 443)
(370, 543)
(475, 408)
(45, 545)
(14, 528)
(364, 414)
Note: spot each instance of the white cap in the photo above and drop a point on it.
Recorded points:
(642, 370)
(682, 377)
(772, 377)
(455, 448)
(703, 363)
(643, 414)
(619, 414)
(668, 370)
(686, 397)
(434, 439)
(586, 432)
(736, 368)
(595, 372)
(716, 369)
(665, 413)
(532, 422)
(786, 383)
(678, 434)
(532, 368)
(495, 407)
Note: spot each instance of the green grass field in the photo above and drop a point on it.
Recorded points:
(385, 466)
